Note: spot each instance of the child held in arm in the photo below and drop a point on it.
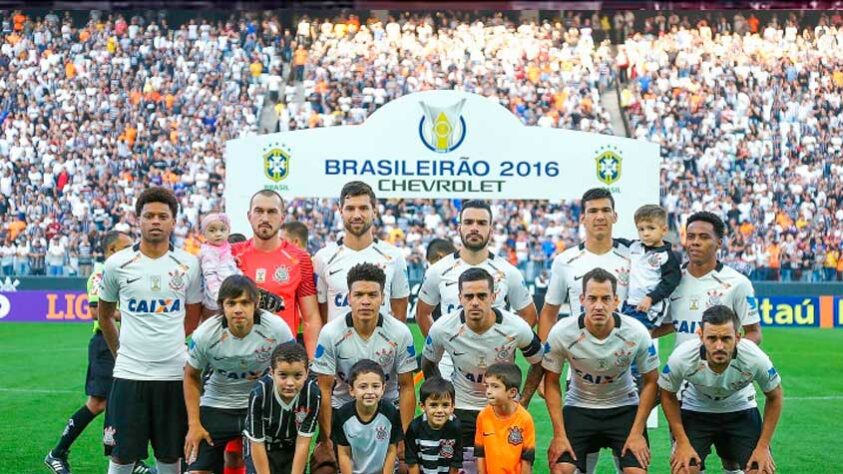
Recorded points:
(654, 268)
(218, 263)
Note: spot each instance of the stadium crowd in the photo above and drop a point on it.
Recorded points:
(91, 115)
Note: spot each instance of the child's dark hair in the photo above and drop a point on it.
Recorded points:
(365, 366)
(289, 352)
(437, 388)
(506, 372)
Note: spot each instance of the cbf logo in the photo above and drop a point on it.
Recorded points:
(442, 129)
(608, 163)
(276, 162)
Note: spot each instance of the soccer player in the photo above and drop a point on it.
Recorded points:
(505, 441)
(367, 429)
(296, 233)
(477, 336)
(440, 280)
(364, 333)
(433, 440)
(602, 404)
(715, 373)
(159, 289)
(100, 366)
(283, 413)
(332, 263)
(280, 267)
(707, 282)
(598, 250)
(235, 347)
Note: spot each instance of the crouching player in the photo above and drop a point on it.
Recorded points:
(718, 406)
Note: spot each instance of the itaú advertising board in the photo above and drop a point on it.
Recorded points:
(443, 144)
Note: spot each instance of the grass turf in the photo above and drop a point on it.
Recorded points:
(43, 371)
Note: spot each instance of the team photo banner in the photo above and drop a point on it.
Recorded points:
(443, 144)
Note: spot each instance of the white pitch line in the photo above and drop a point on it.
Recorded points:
(38, 390)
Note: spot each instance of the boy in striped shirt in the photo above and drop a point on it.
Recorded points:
(283, 413)
(433, 443)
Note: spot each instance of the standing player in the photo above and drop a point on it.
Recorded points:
(440, 280)
(715, 373)
(280, 267)
(707, 282)
(235, 346)
(598, 250)
(295, 232)
(364, 333)
(159, 289)
(332, 263)
(475, 337)
(602, 407)
(100, 366)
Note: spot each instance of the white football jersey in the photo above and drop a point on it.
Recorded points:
(340, 347)
(569, 267)
(693, 296)
(151, 295)
(472, 353)
(704, 390)
(441, 283)
(331, 265)
(600, 368)
(235, 364)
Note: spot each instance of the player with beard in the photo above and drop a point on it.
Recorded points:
(280, 267)
(441, 279)
(358, 206)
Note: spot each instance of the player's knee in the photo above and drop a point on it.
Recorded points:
(564, 468)
(96, 405)
(731, 465)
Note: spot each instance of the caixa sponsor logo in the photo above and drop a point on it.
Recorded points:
(161, 306)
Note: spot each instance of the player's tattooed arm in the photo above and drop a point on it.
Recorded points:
(105, 315)
(429, 368)
(534, 378)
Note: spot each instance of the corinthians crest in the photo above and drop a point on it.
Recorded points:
(516, 436)
(276, 162)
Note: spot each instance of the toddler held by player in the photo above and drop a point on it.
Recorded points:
(654, 268)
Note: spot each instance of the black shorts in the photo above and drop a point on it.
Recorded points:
(280, 457)
(100, 366)
(590, 430)
(734, 434)
(223, 425)
(140, 412)
(468, 425)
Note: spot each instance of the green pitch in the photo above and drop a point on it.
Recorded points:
(43, 371)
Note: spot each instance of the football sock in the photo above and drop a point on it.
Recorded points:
(75, 426)
(120, 468)
(234, 470)
(167, 468)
